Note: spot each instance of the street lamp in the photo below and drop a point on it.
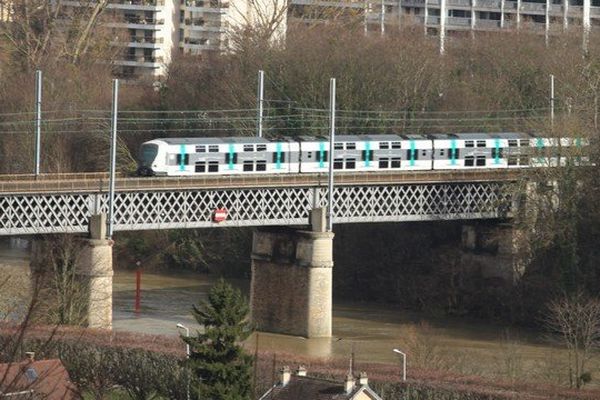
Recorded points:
(187, 352)
(403, 363)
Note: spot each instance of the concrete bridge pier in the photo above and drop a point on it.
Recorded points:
(291, 288)
(93, 267)
(495, 249)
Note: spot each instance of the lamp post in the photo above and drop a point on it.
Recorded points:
(187, 352)
(403, 363)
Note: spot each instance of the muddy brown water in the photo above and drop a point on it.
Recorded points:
(371, 330)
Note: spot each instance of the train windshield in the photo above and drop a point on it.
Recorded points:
(148, 153)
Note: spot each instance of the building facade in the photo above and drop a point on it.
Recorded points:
(151, 32)
(459, 15)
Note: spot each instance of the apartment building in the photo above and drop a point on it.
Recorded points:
(151, 32)
(458, 15)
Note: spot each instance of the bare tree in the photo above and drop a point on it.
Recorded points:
(576, 321)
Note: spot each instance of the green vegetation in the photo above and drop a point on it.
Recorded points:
(218, 361)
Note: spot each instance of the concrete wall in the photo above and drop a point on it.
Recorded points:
(291, 289)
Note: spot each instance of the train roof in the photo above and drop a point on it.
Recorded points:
(479, 135)
(221, 140)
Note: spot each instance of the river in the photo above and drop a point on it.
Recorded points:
(371, 330)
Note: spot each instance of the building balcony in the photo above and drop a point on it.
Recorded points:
(206, 6)
(487, 24)
(458, 3)
(458, 22)
(141, 5)
(140, 42)
(138, 23)
(140, 61)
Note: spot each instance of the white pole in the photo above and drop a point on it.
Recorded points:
(552, 100)
(260, 101)
(38, 120)
(443, 13)
(547, 24)
(331, 153)
(382, 17)
(586, 24)
(403, 363)
(113, 157)
(187, 353)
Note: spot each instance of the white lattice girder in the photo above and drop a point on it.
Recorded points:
(23, 214)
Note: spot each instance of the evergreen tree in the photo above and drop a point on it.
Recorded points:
(220, 365)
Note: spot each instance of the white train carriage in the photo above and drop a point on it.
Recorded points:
(227, 155)
(417, 152)
(551, 152)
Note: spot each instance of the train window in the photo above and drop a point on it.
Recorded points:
(248, 147)
(396, 162)
(396, 145)
(351, 146)
(213, 166)
(481, 143)
(497, 153)
(524, 159)
(384, 145)
(338, 163)
(367, 155)
(480, 161)
(513, 160)
(261, 165)
(201, 149)
(318, 156)
(248, 166)
(350, 163)
(213, 148)
(513, 143)
(383, 163)
(524, 142)
(261, 147)
(453, 154)
(469, 143)
(338, 146)
(469, 161)
(200, 166)
(186, 159)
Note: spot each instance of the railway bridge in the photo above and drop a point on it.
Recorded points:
(291, 246)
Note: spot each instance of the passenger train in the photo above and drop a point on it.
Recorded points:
(251, 155)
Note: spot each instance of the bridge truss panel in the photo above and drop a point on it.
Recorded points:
(24, 214)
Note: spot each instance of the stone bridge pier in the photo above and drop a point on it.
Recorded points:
(94, 270)
(291, 288)
(496, 250)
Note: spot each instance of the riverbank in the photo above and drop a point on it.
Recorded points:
(422, 383)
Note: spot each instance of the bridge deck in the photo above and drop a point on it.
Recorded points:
(98, 182)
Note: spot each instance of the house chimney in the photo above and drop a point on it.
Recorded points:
(349, 383)
(285, 375)
(301, 371)
(30, 356)
(362, 379)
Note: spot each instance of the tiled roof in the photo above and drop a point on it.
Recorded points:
(309, 388)
(45, 379)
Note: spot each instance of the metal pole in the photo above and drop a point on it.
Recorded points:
(552, 100)
(382, 17)
(331, 153)
(586, 24)
(260, 101)
(38, 119)
(443, 14)
(187, 352)
(113, 157)
(403, 363)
